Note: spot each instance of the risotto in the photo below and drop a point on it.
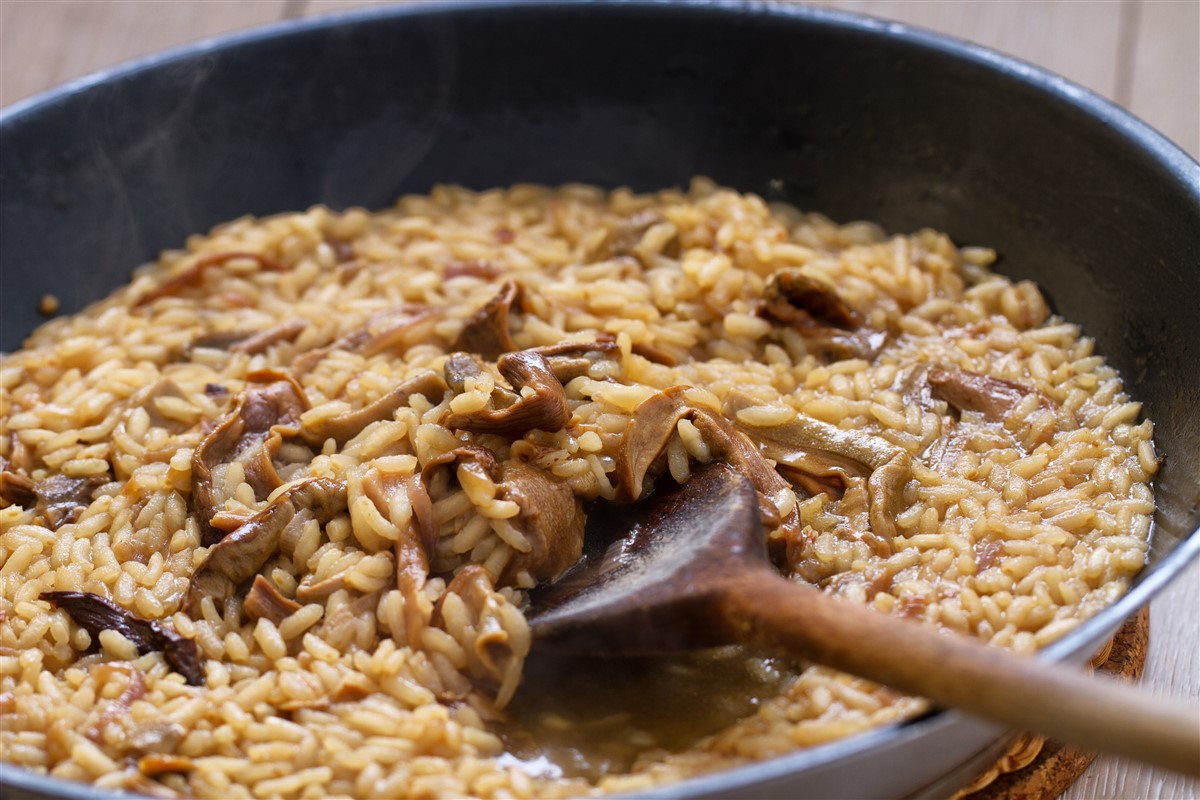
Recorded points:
(270, 514)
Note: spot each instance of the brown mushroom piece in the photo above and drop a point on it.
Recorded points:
(811, 306)
(545, 408)
(147, 399)
(387, 331)
(476, 268)
(551, 518)
(60, 499)
(486, 332)
(651, 428)
(570, 360)
(494, 653)
(250, 342)
(458, 368)
(412, 550)
(95, 614)
(16, 488)
(264, 414)
(624, 237)
(823, 450)
(345, 427)
(193, 274)
(264, 600)
(243, 552)
(971, 391)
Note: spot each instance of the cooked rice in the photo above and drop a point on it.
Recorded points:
(1012, 531)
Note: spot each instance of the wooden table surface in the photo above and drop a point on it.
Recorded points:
(1143, 54)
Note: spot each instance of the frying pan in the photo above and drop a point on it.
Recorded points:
(854, 117)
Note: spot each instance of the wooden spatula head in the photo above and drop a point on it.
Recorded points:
(655, 590)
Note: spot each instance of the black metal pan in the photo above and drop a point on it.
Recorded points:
(833, 112)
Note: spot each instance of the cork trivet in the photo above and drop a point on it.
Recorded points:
(1037, 769)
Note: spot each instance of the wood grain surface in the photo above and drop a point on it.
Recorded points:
(1142, 54)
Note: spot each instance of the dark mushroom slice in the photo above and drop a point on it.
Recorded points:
(493, 652)
(259, 342)
(345, 427)
(472, 457)
(16, 488)
(486, 332)
(388, 331)
(148, 397)
(811, 306)
(971, 391)
(477, 268)
(458, 368)
(264, 414)
(118, 707)
(796, 297)
(551, 520)
(654, 423)
(626, 234)
(60, 499)
(216, 340)
(318, 590)
(250, 342)
(265, 600)
(567, 361)
(817, 448)
(242, 553)
(545, 408)
(95, 614)
(413, 551)
(193, 274)
(551, 517)
(654, 354)
(570, 360)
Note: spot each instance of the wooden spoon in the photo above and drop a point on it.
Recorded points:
(694, 572)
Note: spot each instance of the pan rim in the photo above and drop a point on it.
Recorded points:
(1173, 162)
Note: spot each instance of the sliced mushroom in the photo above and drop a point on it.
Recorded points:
(95, 614)
(551, 518)
(624, 237)
(243, 552)
(388, 331)
(60, 499)
(16, 488)
(817, 448)
(795, 296)
(458, 368)
(265, 413)
(570, 360)
(148, 397)
(971, 391)
(545, 408)
(118, 707)
(192, 275)
(651, 428)
(345, 427)
(810, 305)
(496, 654)
(654, 354)
(478, 268)
(252, 342)
(413, 551)
(264, 600)
(486, 332)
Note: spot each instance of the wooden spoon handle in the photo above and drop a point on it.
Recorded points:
(958, 672)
